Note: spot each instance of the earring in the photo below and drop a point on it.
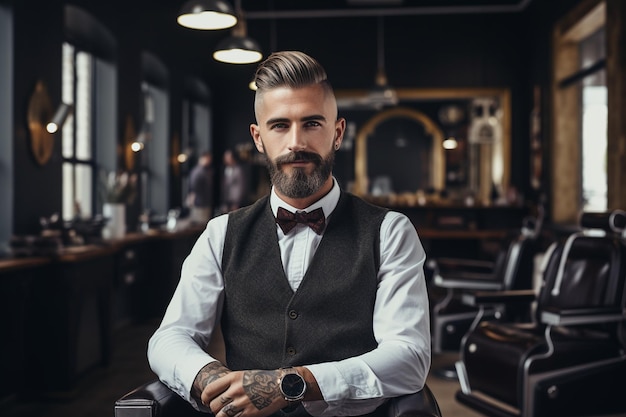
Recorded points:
(336, 146)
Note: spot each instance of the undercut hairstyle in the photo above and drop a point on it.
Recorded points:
(292, 69)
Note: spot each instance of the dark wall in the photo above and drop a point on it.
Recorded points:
(420, 52)
(37, 56)
(540, 18)
(494, 50)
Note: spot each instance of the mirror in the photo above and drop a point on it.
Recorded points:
(38, 115)
(434, 145)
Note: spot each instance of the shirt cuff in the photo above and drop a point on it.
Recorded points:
(349, 388)
(348, 379)
(185, 374)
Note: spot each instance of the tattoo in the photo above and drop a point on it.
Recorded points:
(208, 374)
(230, 411)
(261, 387)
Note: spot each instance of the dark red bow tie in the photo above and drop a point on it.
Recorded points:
(288, 220)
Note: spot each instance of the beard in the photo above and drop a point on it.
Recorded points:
(300, 184)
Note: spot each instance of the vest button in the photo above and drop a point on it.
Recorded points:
(291, 351)
(293, 314)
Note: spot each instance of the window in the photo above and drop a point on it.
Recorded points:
(196, 138)
(594, 122)
(77, 139)
(155, 154)
(155, 161)
(579, 153)
(89, 137)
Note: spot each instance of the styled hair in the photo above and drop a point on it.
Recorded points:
(292, 69)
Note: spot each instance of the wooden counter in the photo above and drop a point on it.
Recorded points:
(59, 311)
(464, 231)
(14, 264)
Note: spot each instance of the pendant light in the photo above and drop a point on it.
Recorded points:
(238, 48)
(252, 84)
(383, 90)
(381, 94)
(207, 15)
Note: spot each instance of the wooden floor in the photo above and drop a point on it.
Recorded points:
(129, 368)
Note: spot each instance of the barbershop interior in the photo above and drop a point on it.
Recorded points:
(498, 127)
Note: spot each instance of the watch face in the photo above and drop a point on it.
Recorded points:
(292, 386)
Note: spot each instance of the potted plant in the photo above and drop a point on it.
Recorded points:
(117, 189)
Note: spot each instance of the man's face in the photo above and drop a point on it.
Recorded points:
(298, 132)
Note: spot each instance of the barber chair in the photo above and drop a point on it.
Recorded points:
(512, 270)
(570, 360)
(155, 399)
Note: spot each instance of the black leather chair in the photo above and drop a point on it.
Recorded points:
(570, 360)
(512, 270)
(155, 399)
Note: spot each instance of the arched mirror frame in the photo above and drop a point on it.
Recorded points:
(360, 175)
(411, 95)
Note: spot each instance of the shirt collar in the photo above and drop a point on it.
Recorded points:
(327, 203)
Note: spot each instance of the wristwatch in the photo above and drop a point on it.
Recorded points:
(292, 385)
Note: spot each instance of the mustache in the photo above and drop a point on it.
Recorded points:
(298, 157)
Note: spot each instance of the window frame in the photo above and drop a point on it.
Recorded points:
(74, 161)
(566, 154)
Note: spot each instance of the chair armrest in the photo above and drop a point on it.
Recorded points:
(465, 274)
(467, 281)
(451, 264)
(569, 317)
(420, 404)
(456, 268)
(154, 399)
(477, 298)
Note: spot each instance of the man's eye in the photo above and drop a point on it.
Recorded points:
(279, 126)
(312, 123)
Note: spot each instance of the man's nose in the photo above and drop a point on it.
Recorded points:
(297, 141)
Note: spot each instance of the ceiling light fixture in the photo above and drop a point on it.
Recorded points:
(252, 84)
(207, 15)
(381, 94)
(238, 48)
(450, 143)
(383, 91)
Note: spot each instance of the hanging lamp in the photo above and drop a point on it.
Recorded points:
(238, 48)
(207, 15)
(383, 91)
(252, 84)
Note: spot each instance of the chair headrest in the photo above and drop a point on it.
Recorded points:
(609, 221)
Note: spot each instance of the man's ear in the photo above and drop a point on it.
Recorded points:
(340, 130)
(256, 137)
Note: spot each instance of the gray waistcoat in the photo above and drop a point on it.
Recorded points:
(266, 325)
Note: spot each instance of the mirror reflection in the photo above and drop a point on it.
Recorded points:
(434, 146)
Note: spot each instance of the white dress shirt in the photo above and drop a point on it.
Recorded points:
(354, 386)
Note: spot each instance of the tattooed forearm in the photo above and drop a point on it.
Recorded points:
(261, 387)
(208, 374)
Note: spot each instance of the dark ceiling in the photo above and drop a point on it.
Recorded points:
(293, 16)
(341, 33)
(356, 5)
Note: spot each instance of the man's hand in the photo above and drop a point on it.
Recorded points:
(252, 393)
(211, 372)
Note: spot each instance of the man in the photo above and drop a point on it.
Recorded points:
(330, 319)
(201, 189)
(233, 183)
